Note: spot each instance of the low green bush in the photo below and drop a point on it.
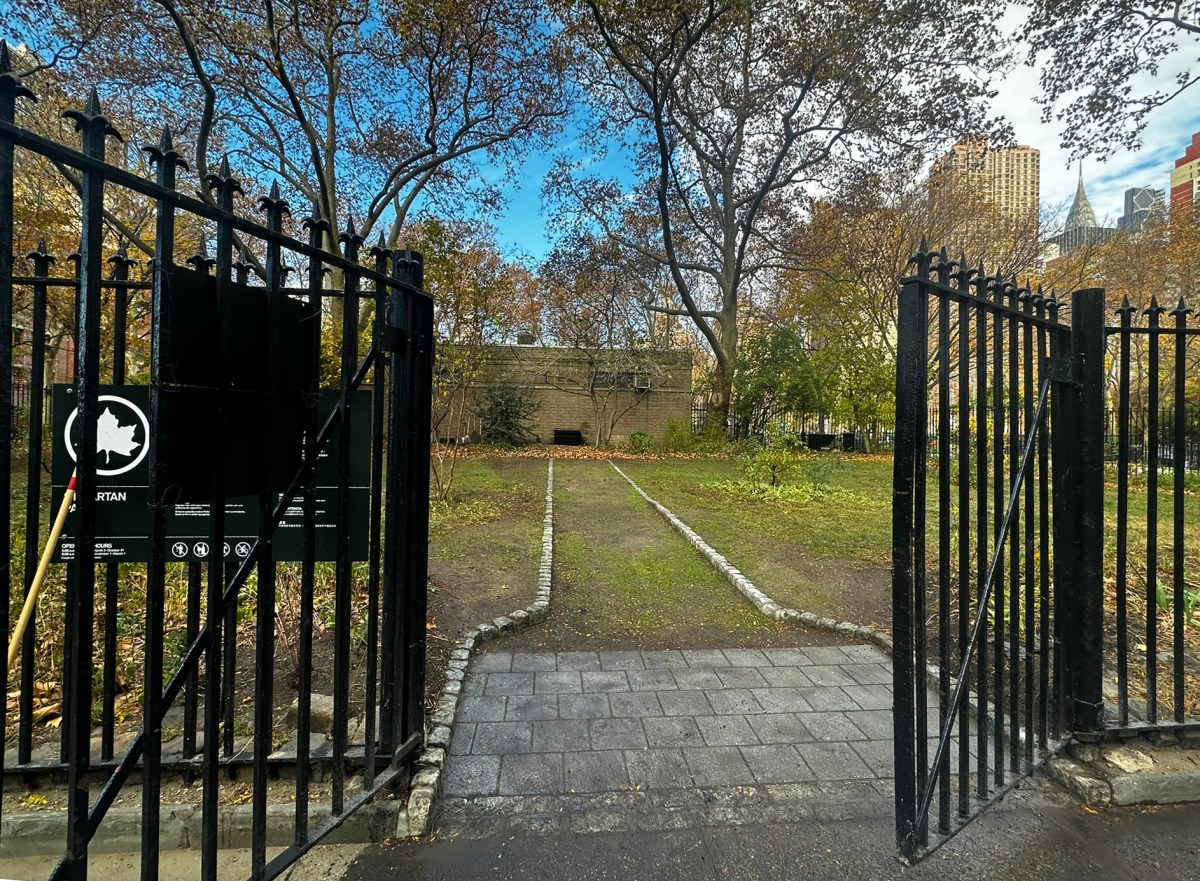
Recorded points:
(640, 442)
(678, 436)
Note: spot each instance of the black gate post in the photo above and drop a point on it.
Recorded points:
(1079, 564)
(911, 358)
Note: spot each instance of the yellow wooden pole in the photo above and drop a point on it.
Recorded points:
(14, 644)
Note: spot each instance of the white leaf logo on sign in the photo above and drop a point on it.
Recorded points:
(116, 431)
(113, 437)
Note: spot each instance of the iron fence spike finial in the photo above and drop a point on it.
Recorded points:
(223, 169)
(274, 194)
(92, 114)
(1154, 309)
(164, 150)
(1181, 308)
(20, 90)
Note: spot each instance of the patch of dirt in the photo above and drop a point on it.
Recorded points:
(857, 592)
(478, 571)
(625, 580)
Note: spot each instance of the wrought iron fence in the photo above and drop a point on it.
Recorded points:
(1155, 596)
(1074, 614)
(816, 430)
(988, 646)
(277, 543)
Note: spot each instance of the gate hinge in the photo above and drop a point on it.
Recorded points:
(1062, 370)
(392, 339)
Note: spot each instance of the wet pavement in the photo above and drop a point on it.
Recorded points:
(1034, 833)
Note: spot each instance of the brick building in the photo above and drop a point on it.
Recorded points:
(1185, 178)
(604, 394)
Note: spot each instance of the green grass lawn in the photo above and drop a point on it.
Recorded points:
(625, 579)
(485, 541)
(828, 555)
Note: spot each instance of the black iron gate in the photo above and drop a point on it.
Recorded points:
(330, 571)
(997, 569)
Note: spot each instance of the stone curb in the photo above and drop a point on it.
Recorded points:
(758, 599)
(773, 610)
(44, 832)
(426, 782)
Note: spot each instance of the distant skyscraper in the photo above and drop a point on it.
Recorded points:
(1081, 228)
(1185, 177)
(1008, 177)
(1139, 203)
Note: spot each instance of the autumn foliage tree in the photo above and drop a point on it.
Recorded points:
(369, 108)
(732, 111)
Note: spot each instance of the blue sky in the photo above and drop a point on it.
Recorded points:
(1169, 132)
(523, 226)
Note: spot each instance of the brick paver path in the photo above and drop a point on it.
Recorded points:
(551, 734)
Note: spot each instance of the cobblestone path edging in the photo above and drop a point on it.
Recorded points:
(745, 586)
(429, 766)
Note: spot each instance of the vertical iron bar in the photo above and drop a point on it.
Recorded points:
(397, 526)
(382, 255)
(351, 242)
(416, 573)
(1028, 488)
(69, 640)
(1126, 313)
(996, 289)
(10, 89)
(964, 528)
(1178, 453)
(264, 607)
(1061, 453)
(944, 550)
(1014, 542)
(920, 486)
(1154, 311)
(1043, 542)
(121, 263)
(979, 283)
(77, 703)
(33, 499)
(225, 186)
(195, 579)
(229, 632)
(317, 229)
(166, 160)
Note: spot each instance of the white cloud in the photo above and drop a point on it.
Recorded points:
(1169, 131)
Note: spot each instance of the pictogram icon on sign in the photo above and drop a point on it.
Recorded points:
(122, 430)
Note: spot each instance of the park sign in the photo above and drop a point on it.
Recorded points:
(123, 487)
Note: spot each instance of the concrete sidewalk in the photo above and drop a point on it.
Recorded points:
(1035, 833)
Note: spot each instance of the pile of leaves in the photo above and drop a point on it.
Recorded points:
(551, 451)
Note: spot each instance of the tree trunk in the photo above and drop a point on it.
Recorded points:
(722, 392)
